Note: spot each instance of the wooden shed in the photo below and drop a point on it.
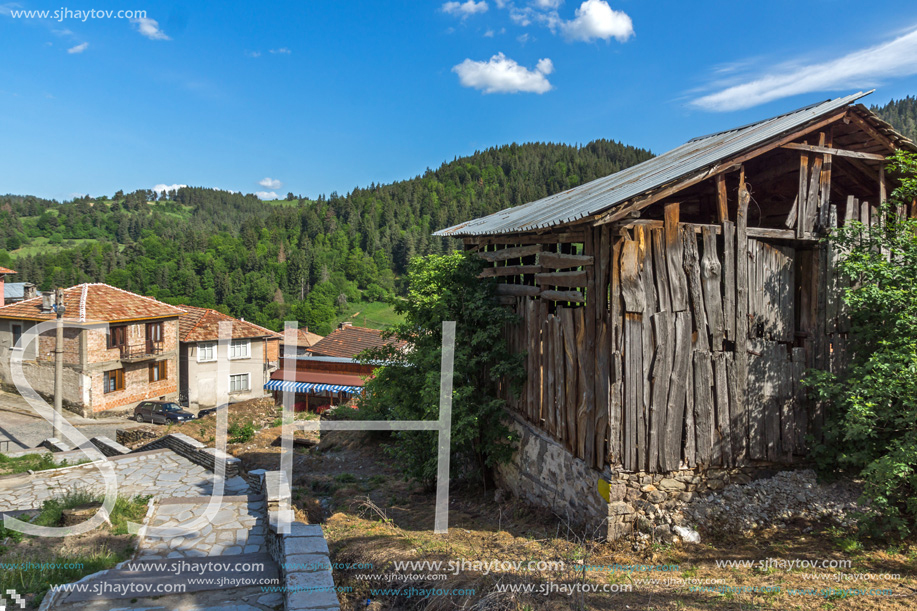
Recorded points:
(669, 310)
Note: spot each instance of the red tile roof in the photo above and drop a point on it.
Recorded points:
(4, 270)
(95, 303)
(203, 324)
(348, 341)
(306, 339)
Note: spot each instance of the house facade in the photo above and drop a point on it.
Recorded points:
(669, 311)
(246, 360)
(119, 348)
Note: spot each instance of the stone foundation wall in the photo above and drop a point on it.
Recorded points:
(131, 436)
(545, 474)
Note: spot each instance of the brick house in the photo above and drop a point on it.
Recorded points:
(253, 353)
(132, 357)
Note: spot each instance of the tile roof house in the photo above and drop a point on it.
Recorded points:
(14, 292)
(252, 353)
(3, 272)
(305, 339)
(347, 341)
(120, 348)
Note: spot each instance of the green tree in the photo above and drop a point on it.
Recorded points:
(871, 428)
(443, 288)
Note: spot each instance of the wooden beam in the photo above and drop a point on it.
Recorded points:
(524, 238)
(802, 196)
(515, 252)
(509, 270)
(674, 249)
(872, 131)
(722, 210)
(575, 296)
(556, 260)
(518, 290)
(740, 417)
(833, 151)
(568, 279)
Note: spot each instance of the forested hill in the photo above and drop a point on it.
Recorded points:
(902, 114)
(311, 260)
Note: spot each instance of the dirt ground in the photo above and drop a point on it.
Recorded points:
(373, 518)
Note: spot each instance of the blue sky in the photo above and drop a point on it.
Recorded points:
(320, 96)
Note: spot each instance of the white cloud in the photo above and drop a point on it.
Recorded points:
(149, 28)
(270, 183)
(503, 75)
(78, 48)
(547, 4)
(164, 187)
(266, 195)
(524, 38)
(6, 9)
(864, 68)
(253, 53)
(595, 19)
(281, 51)
(465, 9)
(489, 34)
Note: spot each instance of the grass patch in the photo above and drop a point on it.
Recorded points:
(33, 564)
(371, 314)
(32, 462)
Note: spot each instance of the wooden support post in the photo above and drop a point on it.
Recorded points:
(649, 288)
(602, 372)
(589, 249)
(802, 196)
(674, 257)
(729, 279)
(579, 320)
(663, 323)
(825, 186)
(740, 418)
(570, 388)
(634, 305)
(711, 272)
(675, 403)
(722, 210)
(813, 191)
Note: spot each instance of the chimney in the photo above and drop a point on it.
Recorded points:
(47, 302)
(345, 324)
(28, 291)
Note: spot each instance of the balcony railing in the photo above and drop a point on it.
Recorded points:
(139, 352)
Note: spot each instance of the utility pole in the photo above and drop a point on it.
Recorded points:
(59, 309)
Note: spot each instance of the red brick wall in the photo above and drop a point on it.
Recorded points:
(136, 334)
(48, 339)
(137, 386)
(272, 350)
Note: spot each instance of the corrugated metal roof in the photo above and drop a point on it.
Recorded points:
(601, 194)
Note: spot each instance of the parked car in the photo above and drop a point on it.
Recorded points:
(161, 412)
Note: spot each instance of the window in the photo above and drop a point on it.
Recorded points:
(206, 351)
(117, 336)
(17, 334)
(114, 380)
(158, 371)
(154, 331)
(240, 349)
(238, 383)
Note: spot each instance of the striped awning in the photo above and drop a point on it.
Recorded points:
(304, 387)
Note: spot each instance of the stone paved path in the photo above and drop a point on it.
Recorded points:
(237, 528)
(251, 598)
(159, 473)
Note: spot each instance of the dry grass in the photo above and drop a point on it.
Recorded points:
(373, 516)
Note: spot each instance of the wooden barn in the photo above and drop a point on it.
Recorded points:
(669, 310)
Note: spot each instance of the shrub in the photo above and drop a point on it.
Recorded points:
(871, 424)
(444, 288)
(241, 433)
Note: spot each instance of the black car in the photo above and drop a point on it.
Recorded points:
(161, 412)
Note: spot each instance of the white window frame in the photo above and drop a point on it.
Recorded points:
(248, 382)
(235, 344)
(210, 347)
